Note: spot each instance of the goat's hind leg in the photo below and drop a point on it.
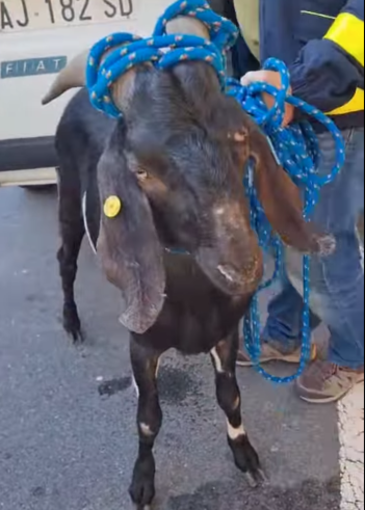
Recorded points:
(224, 357)
(149, 420)
(72, 231)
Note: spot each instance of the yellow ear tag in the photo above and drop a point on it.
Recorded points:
(112, 207)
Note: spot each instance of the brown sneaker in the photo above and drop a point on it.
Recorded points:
(269, 352)
(323, 382)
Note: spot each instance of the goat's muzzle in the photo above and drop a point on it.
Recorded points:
(233, 260)
(234, 277)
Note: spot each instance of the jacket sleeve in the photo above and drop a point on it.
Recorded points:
(242, 59)
(329, 73)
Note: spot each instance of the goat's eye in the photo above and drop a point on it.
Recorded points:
(141, 174)
(238, 136)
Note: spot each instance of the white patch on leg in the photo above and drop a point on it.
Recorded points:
(84, 214)
(158, 367)
(217, 361)
(134, 382)
(146, 430)
(135, 386)
(235, 434)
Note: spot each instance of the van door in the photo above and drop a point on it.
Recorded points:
(37, 39)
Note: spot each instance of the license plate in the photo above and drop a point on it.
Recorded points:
(18, 15)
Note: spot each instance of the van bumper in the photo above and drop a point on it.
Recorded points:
(28, 161)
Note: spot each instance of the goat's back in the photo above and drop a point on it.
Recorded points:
(81, 138)
(82, 135)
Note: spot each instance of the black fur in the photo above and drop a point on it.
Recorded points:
(176, 161)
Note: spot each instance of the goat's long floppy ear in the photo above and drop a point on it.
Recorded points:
(282, 202)
(128, 246)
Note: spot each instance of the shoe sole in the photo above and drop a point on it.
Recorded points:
(331, 400)
(291, 359)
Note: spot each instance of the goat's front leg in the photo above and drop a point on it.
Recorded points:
(224, 357)
(149, 421)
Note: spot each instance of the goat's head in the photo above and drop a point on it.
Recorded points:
(176, 162)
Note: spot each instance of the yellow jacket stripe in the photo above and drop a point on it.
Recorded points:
(348, 33)
(357, 104)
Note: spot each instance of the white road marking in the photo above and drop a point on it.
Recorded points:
(351, 419)
(351, 427)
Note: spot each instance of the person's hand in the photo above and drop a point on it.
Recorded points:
(274, 79)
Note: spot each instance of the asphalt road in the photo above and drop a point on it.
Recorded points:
(67, 432)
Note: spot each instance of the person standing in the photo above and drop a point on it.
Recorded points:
(322, 43)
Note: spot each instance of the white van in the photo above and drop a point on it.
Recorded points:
(37, 39)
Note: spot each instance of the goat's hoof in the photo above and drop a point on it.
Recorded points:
(254, 473)
(255, 478)
(247, 460)
(72, 324)
(263, 478)
(77, 337)
(142, 492)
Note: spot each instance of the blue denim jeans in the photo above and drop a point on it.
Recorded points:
(338, 280)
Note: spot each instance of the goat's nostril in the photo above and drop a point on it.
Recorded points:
(227, 272)
(246, 276)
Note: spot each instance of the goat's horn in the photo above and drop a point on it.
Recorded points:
(187, 25)
(122, 89)
(72, 76)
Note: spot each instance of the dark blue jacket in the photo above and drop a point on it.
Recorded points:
(322, 42)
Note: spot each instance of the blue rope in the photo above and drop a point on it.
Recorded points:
(297, 150)
(296, 147)
(128, 51)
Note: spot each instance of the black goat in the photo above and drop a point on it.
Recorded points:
(176, 162)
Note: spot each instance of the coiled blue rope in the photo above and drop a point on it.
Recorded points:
(296, 147)
(162, 50)
(297, 150)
